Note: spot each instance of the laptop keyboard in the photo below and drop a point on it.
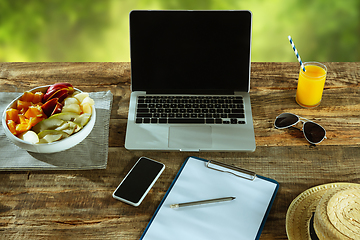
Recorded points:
(190, 110)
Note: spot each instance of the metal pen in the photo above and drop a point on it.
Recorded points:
(215, 200)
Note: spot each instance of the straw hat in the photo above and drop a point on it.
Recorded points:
(333, 209)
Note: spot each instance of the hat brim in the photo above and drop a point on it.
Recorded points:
(302, 208)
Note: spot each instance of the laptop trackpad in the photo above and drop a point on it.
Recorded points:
(190, 138)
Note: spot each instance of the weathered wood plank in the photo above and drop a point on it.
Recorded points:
(78, 204)
(45, 203)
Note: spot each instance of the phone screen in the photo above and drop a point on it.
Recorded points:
(138, 181)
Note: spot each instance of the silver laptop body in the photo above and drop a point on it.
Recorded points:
(197, 59)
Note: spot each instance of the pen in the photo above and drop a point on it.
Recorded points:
(215, 200)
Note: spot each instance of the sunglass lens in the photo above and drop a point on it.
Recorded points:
(286, 120)
(314, 132)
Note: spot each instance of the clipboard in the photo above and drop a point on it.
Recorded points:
(200, 179)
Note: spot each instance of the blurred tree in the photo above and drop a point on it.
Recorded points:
(97, 30)
(57, 30)
(328, 30)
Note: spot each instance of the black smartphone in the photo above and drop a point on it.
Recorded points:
(139, 180)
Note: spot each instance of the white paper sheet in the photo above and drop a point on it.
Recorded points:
(237, 219)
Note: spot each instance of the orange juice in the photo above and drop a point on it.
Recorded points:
(311, 84)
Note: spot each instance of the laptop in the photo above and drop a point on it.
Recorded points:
(190, 81)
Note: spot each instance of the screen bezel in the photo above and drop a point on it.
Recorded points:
(167, 63)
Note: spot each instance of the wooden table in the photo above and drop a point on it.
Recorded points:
(79, 205)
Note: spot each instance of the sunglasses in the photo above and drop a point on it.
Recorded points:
(313, 132)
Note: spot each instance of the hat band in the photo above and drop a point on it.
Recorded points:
(312, 232)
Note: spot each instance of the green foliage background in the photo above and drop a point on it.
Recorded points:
(97, 30)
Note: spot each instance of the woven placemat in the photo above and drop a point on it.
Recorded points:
(91, 153)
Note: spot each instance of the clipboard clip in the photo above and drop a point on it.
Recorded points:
(239, 172)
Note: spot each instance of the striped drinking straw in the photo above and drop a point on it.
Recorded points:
(296, 53)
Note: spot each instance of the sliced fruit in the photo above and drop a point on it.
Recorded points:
(88, 100)
(69, 127)
(61, 94)
(12, 114)
(51, 120)
(77, 126)
(71, 100)
(81, 96)
(27, 97)
(35, 120)
(34, 111)
(22, 127)
(83, 119)
(47, 124)
(48, 94)
(65, 125)
(57, 109)
(66, 116)
(49, 106)
(86, 108)
(12, 126)
(58, 90)
(22, 118)
(52, 138)
(37, 97)
(75, 92)
(72, 108)
(41, 140)
(29, 136)
(69, 130)
(61, 85)
(23, 105)
(56, 133)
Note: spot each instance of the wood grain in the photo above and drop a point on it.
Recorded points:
(78, 204)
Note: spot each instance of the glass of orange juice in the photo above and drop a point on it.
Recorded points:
(311, 84)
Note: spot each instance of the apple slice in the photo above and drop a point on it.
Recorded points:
(61, 94)
(86, 108)
(83, 119)
(52, 138)
(81, 96)
(57, 109)
(47, 124)
(59, 90)
(29, 136)
(78, 127)
(51, 135)
(57, 86)
(63, 126)
(74, 127)
(68, 127)
(69, 130)
(49, 106)
(72, 108)
(87, 100)
(66, 116)
(71, 100)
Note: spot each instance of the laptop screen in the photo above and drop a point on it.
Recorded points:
(190, 51)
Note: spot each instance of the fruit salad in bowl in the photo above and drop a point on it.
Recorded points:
(49, 119)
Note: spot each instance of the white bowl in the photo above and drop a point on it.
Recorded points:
(53, 147)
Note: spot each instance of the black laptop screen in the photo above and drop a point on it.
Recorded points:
(190, 51)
